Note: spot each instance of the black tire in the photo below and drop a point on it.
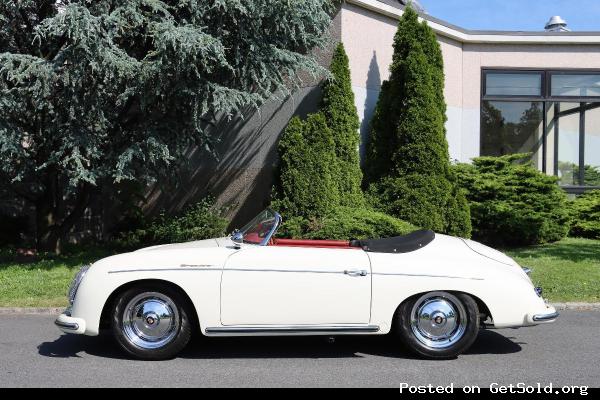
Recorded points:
(447, 345)
(175, 320)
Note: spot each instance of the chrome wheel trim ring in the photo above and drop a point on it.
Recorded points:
(438, 320)
(150, 320)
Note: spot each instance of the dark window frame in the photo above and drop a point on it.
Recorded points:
(486, 72)
(548, 100)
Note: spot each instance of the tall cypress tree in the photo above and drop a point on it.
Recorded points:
(407, 164)
(342, 118)
(306, 185)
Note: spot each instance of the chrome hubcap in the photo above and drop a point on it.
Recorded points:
(150, 320)
(438, 320)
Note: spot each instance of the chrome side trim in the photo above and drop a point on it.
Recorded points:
(293, 330)
(311, 271)
(215, 268)
(67, 325)
(427, 276)
(164, 269)
(545, 317)
(190, 268)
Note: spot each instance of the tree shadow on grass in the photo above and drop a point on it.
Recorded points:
(73, 259)
(311, 347)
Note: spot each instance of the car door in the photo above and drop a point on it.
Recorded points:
(278, 285)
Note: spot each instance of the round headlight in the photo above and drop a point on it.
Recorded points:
(76, 282)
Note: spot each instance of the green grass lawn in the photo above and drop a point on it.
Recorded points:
(43, 283)
(568, 271)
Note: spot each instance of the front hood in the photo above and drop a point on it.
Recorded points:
(198, 244)
(210, 252)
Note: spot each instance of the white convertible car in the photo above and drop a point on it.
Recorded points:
(433, 291)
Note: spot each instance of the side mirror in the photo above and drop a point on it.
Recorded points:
(237, 238)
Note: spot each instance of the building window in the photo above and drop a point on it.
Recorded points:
(512, 127)
(514, 84)
(576, 85)
(554, 115)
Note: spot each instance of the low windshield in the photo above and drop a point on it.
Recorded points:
(260, 228)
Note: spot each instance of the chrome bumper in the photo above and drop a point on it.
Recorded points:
(545, 317)
(68, 324)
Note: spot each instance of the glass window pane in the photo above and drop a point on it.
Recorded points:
(512, 127)
(583, 85)
(592, 146)
(502, 84)
(568, 144)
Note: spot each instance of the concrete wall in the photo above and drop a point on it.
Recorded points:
(242, 176)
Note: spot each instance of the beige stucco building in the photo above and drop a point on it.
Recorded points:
(506, 91)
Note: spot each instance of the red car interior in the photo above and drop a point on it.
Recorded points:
(312, 243)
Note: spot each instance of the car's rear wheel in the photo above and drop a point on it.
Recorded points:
(151, 322)
(438, 325)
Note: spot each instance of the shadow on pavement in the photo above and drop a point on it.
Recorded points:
(66, 346)
(492, 342)
(69, 346)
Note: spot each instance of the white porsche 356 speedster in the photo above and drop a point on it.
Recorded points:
(432, 291)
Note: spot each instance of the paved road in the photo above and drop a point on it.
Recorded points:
(34, 353)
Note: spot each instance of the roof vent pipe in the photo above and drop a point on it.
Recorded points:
(556, 24)
(414, 4)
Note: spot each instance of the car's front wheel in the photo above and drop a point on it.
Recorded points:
(438, 325)
(151, 322)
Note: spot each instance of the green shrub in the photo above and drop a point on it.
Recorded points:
(345, 223)
(308, 169)
(425, 200)
(585, 210)
(513, 203)
(201, 221)
(407, 163)
(342, 118)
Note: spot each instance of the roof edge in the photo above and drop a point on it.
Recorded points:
(463, 35)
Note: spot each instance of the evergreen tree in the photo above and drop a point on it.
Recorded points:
(117, 90)
(307, 184)
(407, 161)
(342, 118)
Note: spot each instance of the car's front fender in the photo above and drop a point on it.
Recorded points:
(195, 271)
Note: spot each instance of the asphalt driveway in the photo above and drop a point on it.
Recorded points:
(34, 353)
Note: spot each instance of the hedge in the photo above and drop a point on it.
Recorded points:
(512, 203)
(585, 210)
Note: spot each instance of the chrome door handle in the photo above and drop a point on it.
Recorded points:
(355, 272)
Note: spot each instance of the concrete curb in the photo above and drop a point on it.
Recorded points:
(59, 310)
(577, 306)
(31, 310)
